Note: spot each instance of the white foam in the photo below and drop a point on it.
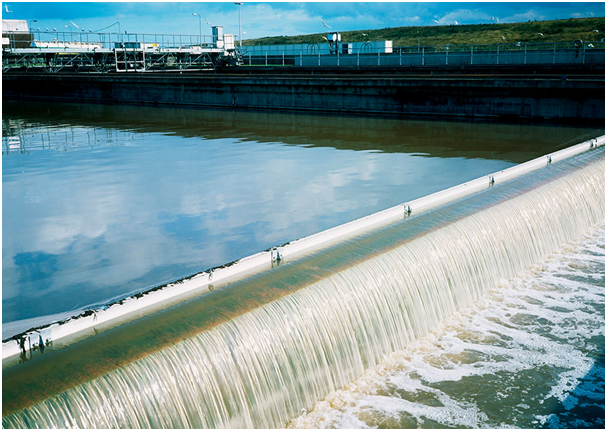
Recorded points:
(540, 323)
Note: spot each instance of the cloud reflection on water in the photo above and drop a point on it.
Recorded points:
(102, 204)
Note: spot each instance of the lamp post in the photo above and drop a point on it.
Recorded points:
(199, 26)
(239, 4)
(31, 21)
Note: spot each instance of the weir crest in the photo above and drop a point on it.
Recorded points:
(262, 367)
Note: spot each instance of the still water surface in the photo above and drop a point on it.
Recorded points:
(100, 202)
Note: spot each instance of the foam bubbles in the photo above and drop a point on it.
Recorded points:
(528, 354)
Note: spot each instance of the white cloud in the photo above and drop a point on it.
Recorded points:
(464, 16)
(528, 15)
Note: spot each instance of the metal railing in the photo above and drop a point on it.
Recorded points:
(57, 51)
(314, 54)
(98, 41)
(520, 53)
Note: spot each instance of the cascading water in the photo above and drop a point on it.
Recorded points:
(528, 354)
(262, 368)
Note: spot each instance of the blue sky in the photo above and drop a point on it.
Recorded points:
(286, 18)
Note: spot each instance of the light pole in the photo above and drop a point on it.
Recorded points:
(31, 21)
(239, 4)
(199, 26)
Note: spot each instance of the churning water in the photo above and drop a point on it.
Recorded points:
(262, 368)
(530, 354)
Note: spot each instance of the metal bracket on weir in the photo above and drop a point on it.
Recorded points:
(33, 344)
(275, 255)
(89, 322)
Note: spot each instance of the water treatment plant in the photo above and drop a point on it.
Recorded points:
(197, 234)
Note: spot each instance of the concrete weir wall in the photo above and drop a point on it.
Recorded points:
(542, 98)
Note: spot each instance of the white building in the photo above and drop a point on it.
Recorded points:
(15, 32)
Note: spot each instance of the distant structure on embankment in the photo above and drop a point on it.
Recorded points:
(558, 82)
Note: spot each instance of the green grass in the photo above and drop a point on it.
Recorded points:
(567, 30)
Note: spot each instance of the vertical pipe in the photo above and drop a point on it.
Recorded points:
(423, 56)
(553, 53)
(239, 4)
(583, 53)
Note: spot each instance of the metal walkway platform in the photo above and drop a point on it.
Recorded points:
(54, 52)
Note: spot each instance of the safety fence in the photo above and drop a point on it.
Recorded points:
(88, 40)
(520, 53)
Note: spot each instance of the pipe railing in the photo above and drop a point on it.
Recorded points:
(109, 40)
(358, 48)
(504, 47)
(557, 53)
(91, 40)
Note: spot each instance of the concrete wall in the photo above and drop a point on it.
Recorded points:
(578, 100)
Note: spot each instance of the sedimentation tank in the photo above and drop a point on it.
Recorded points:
(276, 332)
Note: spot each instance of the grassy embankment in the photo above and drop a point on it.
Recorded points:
(567, 30)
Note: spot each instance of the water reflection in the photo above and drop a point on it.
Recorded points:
(103, 201)
(510, 142)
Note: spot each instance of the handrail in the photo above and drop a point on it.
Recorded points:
(110, 40)
(375, 47)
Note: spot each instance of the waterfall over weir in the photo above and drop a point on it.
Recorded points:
(343, 310)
